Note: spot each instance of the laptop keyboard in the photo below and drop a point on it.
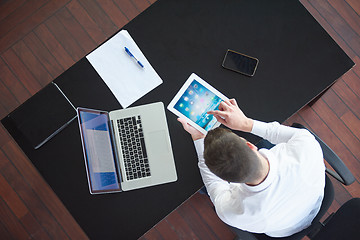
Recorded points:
(133, 148)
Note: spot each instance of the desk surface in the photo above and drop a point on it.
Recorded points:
(298, 60)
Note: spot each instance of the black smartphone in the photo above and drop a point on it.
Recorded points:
(240, 63)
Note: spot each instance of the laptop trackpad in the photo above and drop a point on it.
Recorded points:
(158, 143)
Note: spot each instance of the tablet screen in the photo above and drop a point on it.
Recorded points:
(195, 102)
(192, 102)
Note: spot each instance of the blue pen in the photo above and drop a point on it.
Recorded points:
(131, 55)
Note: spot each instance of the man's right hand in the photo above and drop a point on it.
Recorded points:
(231, 116)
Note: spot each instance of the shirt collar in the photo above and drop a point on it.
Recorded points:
(271, 175)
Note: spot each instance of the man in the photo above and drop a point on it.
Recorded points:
(275, 191)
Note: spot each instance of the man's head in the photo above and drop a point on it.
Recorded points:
(230, 157)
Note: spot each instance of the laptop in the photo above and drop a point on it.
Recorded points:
(126, 149)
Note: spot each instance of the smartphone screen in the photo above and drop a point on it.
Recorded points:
(239, 62)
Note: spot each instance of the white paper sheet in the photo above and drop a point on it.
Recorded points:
(121, 73)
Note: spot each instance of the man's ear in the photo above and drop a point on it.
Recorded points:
(251, 146)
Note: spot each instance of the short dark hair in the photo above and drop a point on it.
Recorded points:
(229, 157)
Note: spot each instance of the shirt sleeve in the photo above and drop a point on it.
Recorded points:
(276, 133)
(218, 189)
(290, 140)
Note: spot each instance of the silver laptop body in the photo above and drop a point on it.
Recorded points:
(133, 150)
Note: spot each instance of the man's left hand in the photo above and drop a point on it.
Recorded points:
(195, 134)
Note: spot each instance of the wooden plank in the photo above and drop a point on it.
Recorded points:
(33, 227)
(152, 1)
(204, 207)
(86, 21)
(4, 233)
(53, 45)
(355, 4)
(20, 15)
(323, 21)
(11, 198)
(296, 118)
(347, 13)
(326, 134)
(128, 8)
(41, 190)
(16, 205)
(99, 17)
(352, 123)
(3, 111)
(43, 54)
(352, 80)
(76, 30)
(12, 224)
(28, 196)
(21, 71)
(7, 99)
(196, 223)
(314, 122)
(67, 41)
(14, 85)
(4, 136)
(348, 96)
(354, 189)
(152, 234)
(165, 230)
(114, 13)
(180, 226)
(335, 103)
(32, 63)
(356, 68)
(141, 5)
(338, 24)
(23, 28)
(337, 127)
(8, 7)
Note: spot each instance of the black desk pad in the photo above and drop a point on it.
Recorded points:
(297, 61)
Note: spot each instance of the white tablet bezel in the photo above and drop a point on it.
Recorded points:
(180, 93)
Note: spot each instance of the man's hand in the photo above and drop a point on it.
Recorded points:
(231, 116)
(195, 134)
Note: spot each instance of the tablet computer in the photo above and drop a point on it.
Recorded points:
(195, 98)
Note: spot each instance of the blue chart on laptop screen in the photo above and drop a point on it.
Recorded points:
(196, 101)
(101, 165)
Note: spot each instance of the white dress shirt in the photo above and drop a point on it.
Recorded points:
(288, 199)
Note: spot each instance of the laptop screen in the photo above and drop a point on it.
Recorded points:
(98, 151)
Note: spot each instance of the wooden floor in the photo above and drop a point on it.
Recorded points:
(40, 39)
